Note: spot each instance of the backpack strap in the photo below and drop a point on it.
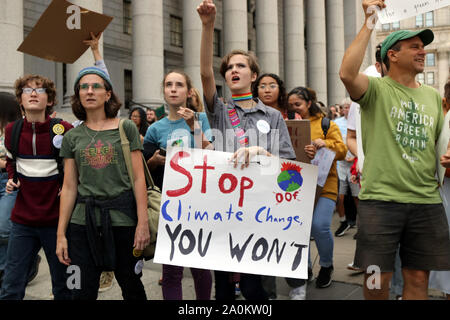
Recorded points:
(59, 160)
(325, 126)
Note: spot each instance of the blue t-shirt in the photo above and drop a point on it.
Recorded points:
(166, 130)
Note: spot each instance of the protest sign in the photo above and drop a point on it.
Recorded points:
(59, 33)
(214, 216)
(300, 133)
(397, 10)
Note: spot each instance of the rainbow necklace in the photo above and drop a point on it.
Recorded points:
(242, 97)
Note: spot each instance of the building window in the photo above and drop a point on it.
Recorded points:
(430, 59)
(176, 31)
(386, 27)
(396, 25)
(419, 21)
(127, 21)
(421, 78)
(430, 78)
(128, 84)
(217, 43)
(429, 19)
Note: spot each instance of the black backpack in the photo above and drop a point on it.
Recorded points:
(15, 136)
(325, 126)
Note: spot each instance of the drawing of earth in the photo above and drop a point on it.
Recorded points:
(290, 180)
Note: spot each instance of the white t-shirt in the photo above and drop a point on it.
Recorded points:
(354, 123)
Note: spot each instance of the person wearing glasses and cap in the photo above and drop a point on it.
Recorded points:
(401, 120)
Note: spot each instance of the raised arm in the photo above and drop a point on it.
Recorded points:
(207, 13)
(93, 43)
(355, 82)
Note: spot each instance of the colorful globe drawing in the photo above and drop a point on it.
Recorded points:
(290, 180)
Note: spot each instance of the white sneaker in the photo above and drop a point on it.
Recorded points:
(106, 281)
(298, 293)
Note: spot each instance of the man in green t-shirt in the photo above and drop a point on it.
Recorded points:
(401, 120)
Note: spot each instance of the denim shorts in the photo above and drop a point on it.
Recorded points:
(421, 230)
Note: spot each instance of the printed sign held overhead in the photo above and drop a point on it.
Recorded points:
(397, 10)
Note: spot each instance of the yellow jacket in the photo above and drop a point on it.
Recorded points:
(333, 142)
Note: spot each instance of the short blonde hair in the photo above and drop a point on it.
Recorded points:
(199, 107)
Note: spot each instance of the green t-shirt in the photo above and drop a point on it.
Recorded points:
(400, 126)
(102, 171)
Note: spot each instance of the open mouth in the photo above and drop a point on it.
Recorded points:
(235, 79)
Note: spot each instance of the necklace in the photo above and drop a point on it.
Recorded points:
(241, 97)
(96, 133)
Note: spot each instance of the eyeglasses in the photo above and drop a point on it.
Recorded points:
(28, 90)
(95, 86)
(272, 86)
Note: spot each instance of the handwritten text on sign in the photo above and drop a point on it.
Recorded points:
(217, 217)
(397, 10)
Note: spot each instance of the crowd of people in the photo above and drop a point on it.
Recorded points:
(65, 187)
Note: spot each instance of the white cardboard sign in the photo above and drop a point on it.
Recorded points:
(252, 220)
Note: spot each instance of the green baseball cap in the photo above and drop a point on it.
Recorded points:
(425, 35)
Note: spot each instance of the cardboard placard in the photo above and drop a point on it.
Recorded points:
(52, 39)
(300, 133)
(217, 217)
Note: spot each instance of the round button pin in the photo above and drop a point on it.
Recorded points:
(57, 141)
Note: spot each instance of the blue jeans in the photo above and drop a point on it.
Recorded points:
(23, 246)
(7, 202)
(321, 231)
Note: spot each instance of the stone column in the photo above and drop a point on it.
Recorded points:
(148, 51)
(11, 33)
(267, 36)
(443, 68)
(294, 54)
(87, 58)
(335, 49)
(192, 32)
(235, 25)
(316, 48)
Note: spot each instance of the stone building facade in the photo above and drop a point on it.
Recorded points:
(301, 40)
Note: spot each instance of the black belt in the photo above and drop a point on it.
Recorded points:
(101, 240)
(3, 170)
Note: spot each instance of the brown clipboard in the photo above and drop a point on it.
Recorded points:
(51, 38)
(300, 133)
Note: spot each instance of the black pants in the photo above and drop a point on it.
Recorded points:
(80, 254)
(250, 285)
